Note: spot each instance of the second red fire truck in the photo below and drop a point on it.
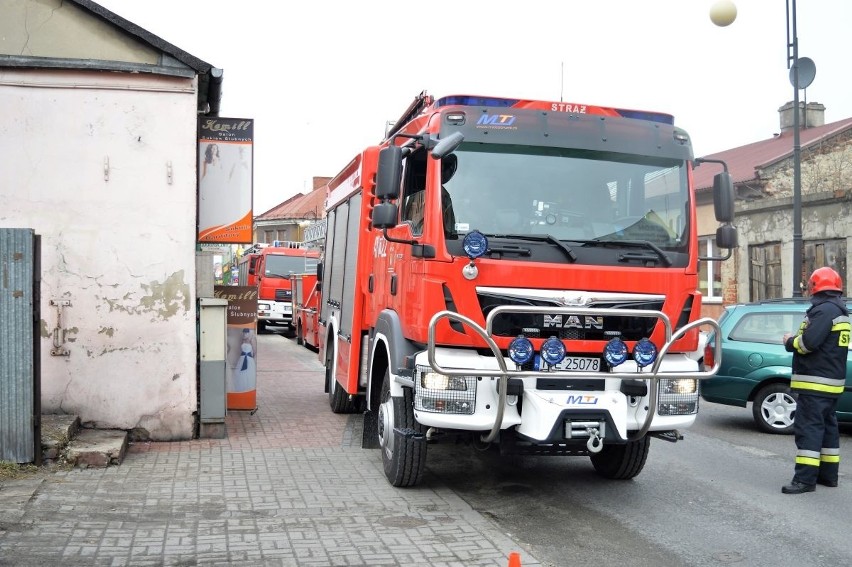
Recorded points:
(517, 272)
(272, 271)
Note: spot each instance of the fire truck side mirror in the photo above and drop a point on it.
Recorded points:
(448, 145)
(726, 236)
(389, 174)
(723, 197)
(384, 215)
(319, 271)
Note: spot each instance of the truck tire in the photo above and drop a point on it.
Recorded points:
(774, 409)
(401, 441)
(338, 399)
(299, 339)
(622, 462)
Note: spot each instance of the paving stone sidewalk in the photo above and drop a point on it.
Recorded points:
(288, 486)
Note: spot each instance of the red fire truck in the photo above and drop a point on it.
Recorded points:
(273, 270)
(305, 300)
(247, 266)
(517, 272)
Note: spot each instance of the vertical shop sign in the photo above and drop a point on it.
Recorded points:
(225, 179)
(241, 346)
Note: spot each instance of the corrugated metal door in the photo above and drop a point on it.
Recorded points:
(20, 392)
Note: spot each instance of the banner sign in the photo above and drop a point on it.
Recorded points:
(241, 346)
(225, 180)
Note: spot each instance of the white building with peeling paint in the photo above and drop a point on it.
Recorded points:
(98, 156)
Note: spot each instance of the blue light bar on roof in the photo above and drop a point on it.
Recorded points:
(467, 100)
(558, 107)
(645, 115)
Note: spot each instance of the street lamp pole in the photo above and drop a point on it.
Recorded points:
(793, 58)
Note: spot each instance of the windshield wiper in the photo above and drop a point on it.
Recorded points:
(540, 238)
(659, 254)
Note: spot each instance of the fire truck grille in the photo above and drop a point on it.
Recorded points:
(567, 326)
(283, 294)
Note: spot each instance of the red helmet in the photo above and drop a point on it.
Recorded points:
(824, 279)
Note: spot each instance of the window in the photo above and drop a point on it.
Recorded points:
(766, 327)
(709, 273)
(819, 253)
(414, 191)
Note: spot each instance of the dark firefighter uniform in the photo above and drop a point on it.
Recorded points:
(819, 373)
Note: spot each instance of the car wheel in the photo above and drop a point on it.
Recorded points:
(774, 409)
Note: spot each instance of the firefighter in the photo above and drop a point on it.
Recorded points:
(819, 373)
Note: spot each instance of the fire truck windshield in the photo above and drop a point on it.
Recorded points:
(570, 195)
(281, 266)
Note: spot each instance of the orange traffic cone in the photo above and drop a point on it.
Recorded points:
(514, 559)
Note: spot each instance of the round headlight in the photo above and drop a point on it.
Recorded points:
(644, 353)
(520, 350)
(615, 352)
(552, 351)
(475, 244)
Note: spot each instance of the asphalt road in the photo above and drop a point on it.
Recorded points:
(713, 498)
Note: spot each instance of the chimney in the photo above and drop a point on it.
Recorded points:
(809, 117)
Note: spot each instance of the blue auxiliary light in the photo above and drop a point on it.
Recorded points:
(552, 351)
(644, 353)
(475, 244)
(615, 352)
(520, 350)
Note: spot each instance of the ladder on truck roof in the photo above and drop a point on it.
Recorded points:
(287, 244)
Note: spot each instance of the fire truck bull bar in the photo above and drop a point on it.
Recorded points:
(503, 373)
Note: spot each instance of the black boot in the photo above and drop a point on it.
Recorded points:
(796, 487)
(826, 482)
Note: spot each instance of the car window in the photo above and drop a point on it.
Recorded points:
(766, 327)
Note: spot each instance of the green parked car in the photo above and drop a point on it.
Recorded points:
(755, 367)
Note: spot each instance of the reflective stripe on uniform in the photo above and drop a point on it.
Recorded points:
(799, 345)
(829, 455)
(817, 384)
(809, 458)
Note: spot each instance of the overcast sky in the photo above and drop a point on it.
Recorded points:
(321, 78)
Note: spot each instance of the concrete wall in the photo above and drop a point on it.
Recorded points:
(52, 28)
(825, 216)
(103, 167)
(767, 216)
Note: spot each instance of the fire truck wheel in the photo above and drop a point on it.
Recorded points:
(403, 451)
(622, 462)
(299, 340)
(338, 399)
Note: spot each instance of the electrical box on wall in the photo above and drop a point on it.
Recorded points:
(212, 328)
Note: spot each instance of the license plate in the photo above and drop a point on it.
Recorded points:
(579, 364)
